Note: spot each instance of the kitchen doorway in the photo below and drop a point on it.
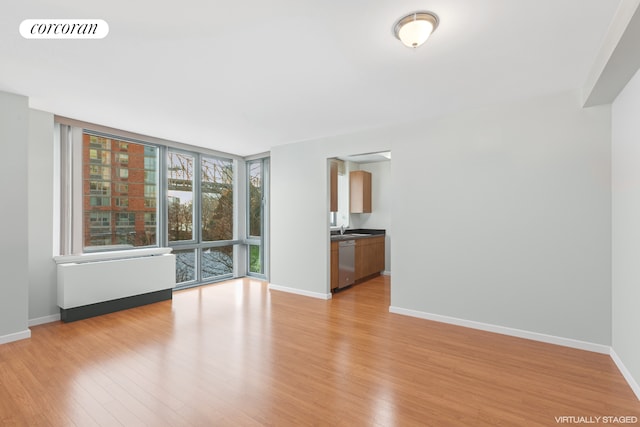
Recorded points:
(372, 220)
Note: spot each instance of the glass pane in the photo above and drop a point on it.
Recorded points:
(217, 199)
(180, 196)
(255, 198)
(217, 261)
(114, 198)
(255, 261)
(185, 265)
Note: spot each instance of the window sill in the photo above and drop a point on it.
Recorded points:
(108, 256)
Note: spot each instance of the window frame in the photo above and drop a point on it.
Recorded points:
(341, 217)
(195, 189)
(197, 243)
(72, 213)
(262, 240)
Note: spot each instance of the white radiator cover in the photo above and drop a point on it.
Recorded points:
(93, 282)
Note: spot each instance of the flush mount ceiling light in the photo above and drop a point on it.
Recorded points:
(415, 28)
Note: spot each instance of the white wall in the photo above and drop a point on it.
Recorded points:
(380, 217)
(500, 215)
(14, 284)
(626, 226)
(42, 269)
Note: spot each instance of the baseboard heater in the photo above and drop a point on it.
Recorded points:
(90, 286)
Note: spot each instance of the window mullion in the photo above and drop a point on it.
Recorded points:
(77, 219)
(197, 213)
(163, 176)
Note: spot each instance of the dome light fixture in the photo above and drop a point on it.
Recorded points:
(415, 28)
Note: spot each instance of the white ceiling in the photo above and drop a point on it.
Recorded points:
(244, 76)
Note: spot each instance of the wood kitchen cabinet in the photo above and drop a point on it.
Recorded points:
(369, 257)
(333, 185)
(334, 265)
(360, 192)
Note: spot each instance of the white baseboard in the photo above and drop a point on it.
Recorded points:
(46, 319)
(625, 373)
(299, 292)
(386, 273)
(535, 336)
(15, 336)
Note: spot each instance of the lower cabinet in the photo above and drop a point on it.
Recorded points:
(369, 256)
(369, 259)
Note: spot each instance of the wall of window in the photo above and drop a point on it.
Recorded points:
(121, 192)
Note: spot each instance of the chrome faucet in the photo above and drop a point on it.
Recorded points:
(341, 229)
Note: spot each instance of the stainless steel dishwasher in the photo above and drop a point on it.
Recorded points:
(346, 262)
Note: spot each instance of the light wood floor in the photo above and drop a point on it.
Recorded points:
(237, 354)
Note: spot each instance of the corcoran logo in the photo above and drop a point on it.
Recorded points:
(64, 29)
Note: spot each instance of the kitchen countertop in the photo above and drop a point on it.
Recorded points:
(353, 234)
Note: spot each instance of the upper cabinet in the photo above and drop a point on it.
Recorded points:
(360, 191)
(333, 184)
